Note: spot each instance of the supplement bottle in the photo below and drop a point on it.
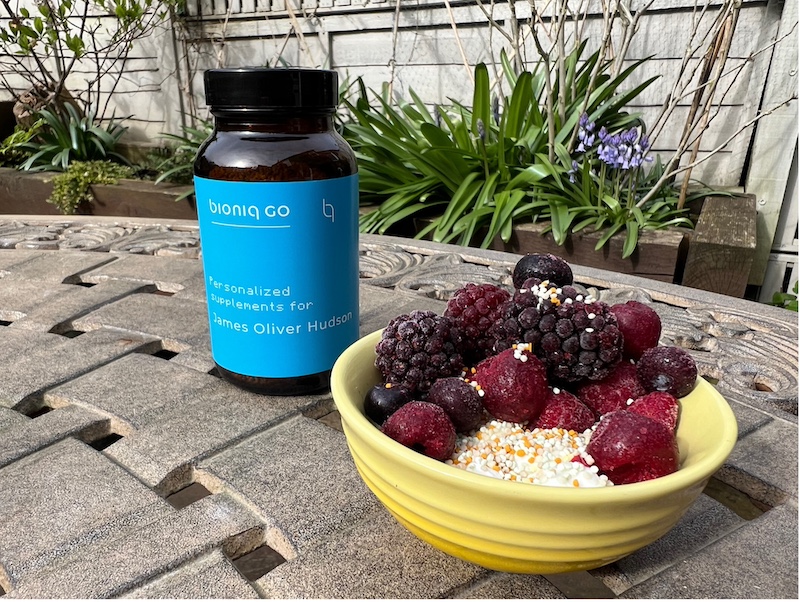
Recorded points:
(277, 205)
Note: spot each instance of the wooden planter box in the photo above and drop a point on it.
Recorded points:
(716, 256)
(26, 193)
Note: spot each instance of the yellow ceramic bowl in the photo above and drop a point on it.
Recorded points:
(518, 527)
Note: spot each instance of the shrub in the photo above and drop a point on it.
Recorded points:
(67, 136)
(73, 186)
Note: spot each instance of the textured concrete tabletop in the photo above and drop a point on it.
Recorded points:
(128, 469)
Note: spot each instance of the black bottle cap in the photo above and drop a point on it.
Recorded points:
(255, 89)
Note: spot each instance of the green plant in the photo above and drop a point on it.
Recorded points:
(786, 300)
(603, 183)
(73, 186)
(66, 136)
(12, 149)
(178, 166)
(46, 41)
(484, 167)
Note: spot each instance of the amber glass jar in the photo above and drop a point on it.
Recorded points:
(277, 204)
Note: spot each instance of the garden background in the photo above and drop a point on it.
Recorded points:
(431, 47)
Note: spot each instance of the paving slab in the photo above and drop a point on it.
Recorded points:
(208, 576)
(168, 274)
(137, 389)
(57, 268)
(736, 566)
(374, 558)
(705, 522)
(35, 361)
(10, 418)
(179, 323)
(32, 435)
(508, 585)
(154, 398)
(114, 566)
(37, 305)
(751, 467)
(215, 420)
(11, 257)
(61, 498)
(301, 475)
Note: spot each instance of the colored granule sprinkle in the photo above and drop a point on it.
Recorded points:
(505, 450)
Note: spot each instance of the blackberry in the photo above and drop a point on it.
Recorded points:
(575, 336)
(474, 308)
(417, 348)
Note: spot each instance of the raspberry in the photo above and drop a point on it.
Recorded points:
(575, 336)
(514, 384)
(628, 448)
(612, 392)
(564, 410)
(417, 348)
(544, 267)
(460, 400)
(423, 427)
(640, 326)
(384, 400)
(669, 369)
(658, 406)
(473, 309)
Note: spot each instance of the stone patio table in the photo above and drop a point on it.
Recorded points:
(128, 468)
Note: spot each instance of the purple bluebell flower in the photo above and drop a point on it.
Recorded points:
(496, 109)
(481, 130)
(586, 134)
(623, 151)
(571, 173)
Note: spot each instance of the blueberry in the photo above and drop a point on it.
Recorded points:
(384, 400)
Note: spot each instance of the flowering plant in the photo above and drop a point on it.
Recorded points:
(604, 185)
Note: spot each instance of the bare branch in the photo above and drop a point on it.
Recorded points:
(669, 174)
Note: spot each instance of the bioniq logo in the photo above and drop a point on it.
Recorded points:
(254, 212)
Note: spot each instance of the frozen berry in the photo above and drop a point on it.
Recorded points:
(417, 348)
(669, 369)
(575, 336)
(612, 392)
(564, 410)
(628, 448)
(640, 326)
(473, 309)
(514, 384)
(384, 400)
(544, 267)
(460, 400)
(423, 427)
(658, 406)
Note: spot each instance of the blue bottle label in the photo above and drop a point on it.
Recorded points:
(281, 272)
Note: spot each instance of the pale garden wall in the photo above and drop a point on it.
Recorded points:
(431, 46)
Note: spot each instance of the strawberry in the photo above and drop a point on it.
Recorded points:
(658, 406)
(514, 384)
(613, 392)
(628, 448)
(563, 410)
(424, 427)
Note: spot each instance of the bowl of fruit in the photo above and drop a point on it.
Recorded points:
(533, 430)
